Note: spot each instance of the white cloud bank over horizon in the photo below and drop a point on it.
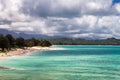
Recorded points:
(68, 18)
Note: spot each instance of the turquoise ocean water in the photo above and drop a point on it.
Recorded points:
(65, 63)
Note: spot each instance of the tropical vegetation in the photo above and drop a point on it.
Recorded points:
(8, 41)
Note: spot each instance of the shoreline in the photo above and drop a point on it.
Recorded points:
(19, 51)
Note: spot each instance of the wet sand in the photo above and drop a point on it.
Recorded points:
(4, 68)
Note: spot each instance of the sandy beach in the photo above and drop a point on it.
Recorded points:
(19, 51)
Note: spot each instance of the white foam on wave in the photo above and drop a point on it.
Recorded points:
(57, 49)
(13, 68)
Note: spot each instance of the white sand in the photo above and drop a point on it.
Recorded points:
(19, 51)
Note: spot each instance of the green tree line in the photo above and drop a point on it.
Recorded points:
(8, 41)
(79, 41)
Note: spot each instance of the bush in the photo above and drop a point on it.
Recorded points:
(44, 43)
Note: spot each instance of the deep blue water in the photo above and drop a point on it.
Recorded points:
(65, 63)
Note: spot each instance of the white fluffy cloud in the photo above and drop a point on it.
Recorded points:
(79, 18)
(117, 7)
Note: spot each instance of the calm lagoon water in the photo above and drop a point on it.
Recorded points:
(68, 63)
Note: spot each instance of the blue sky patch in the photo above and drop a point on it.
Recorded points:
(116, 1)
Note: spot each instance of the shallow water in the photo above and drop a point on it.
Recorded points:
(68, 63)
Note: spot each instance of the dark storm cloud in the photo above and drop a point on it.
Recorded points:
(2, 22)
(46, 8)
(67, 8)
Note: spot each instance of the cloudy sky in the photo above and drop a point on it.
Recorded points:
(70, 18)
